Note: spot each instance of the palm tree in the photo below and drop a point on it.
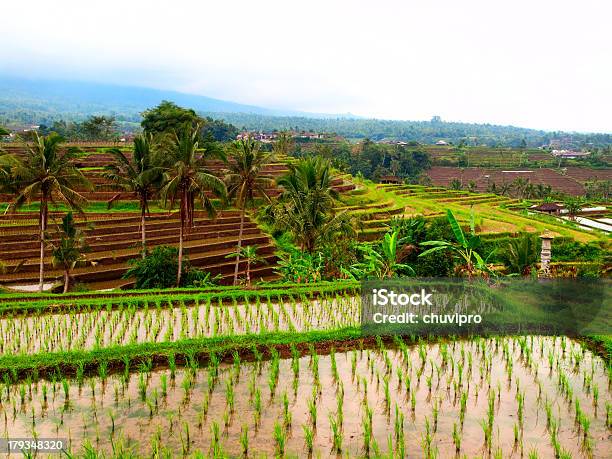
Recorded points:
(139, 176)
(47, 174)
(68, 251)
(186, 179)
(521, 254)
(244, 180)
(465, 247)
(520, 185)
(249, 253)
(456, 184)
(284, 144)
(573, 206)
(305, 208)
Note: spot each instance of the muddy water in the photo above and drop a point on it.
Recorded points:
(86, 415)
(101, 328)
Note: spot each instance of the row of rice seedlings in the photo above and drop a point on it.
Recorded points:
(101, 326)
(388, 376)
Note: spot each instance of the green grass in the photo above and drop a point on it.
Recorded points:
(68, 362)
(45, 302)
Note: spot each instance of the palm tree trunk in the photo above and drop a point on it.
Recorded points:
(43, 228)
(66, 280)
(248, 272)
(183, 216)
(242, 211)
(142, 229)
(180, 256)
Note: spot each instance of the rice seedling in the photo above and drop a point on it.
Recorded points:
(312, 411)
(280, 439)
(337, 434)
(308, 439)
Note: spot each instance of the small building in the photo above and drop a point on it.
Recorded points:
(441, 142)
(569, 154)
(391, 179)
(550, 208)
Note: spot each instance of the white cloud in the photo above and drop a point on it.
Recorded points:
(543, 64)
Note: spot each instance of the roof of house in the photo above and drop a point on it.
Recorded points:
(548, 207)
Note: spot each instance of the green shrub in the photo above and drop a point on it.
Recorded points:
(159, 268)
(576, 251)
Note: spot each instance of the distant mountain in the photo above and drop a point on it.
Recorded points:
(51, 99)
(24, 101)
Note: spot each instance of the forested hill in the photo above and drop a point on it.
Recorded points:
(421, 131)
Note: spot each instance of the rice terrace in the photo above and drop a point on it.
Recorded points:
(257, 348)
(373, 230)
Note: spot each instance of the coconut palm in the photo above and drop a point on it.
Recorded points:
(305, 208)
(46, 174)
(573, 206)
(245, 180)
(465, 248)
(186, 180)
(284, 144)
(67, 252)
(139, 176)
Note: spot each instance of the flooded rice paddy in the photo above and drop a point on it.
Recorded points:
(504, 397)
(102, 326)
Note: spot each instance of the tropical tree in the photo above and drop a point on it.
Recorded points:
(3, 131)
(46, 173)
(297, 266)
(139, 176)
(250, 255)
(186, 180)
(169, 118)
(465, 247)
(456, 184)
(245, 180)
(382, 262)
(305, 208)
(520, 254)
(520, 184)
(67, 251)
(573, 206)
(543, 191)
(284, 144)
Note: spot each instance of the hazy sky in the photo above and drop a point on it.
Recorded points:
(533, 63)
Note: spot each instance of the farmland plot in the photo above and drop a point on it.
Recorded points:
(505, 397)
(101, 326)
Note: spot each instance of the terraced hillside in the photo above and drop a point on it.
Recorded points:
(93, 159)
(376, 205)
(114, 239)
(571, 183)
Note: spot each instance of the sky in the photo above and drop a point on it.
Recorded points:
(544, 64)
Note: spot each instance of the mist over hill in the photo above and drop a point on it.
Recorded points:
(46, 100)
(24, 101)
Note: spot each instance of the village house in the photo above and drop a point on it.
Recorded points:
(569, 154)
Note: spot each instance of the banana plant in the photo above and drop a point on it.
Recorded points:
(465, 247)
(380, 263)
